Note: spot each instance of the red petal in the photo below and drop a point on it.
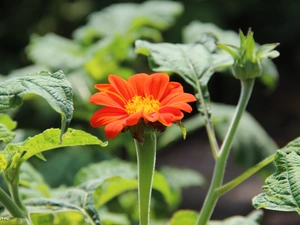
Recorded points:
(133, 119)
(107, 115)
(156, 84)
(107, 99)
(137, 82)
(178, 97)
(112, 129)
(122, 87)
(168, 115)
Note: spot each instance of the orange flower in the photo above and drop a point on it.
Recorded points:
(151, 99)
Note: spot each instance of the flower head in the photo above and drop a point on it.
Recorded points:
(142, 100)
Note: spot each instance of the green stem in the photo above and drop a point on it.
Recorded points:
(146, 154)
(10, 206)
(217, 179)
(232, 184)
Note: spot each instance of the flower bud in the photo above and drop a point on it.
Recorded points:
(247, 60)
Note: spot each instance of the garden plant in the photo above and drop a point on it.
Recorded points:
(99, 78)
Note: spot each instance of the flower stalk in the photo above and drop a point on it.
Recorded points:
(212, 196)
(146, 155)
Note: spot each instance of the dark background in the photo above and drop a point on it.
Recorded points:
(278, 111)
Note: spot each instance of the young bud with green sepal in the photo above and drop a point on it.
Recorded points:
(247, 60)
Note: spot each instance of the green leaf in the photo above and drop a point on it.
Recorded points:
(55, 52)
(112, 187)
(32, 183)
(54, 88)
(252, 219)
(186, 217)
(5, 135)
(129, 18)
(74, 200)
(112, 177)
(193, 62)
(281, 189)
(49, 140)
(182, 178)
(17, 221)
(110, 218)
(8, 122)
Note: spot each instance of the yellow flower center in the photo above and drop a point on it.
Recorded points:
(148, 104)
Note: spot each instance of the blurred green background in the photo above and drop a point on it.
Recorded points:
(277, 111)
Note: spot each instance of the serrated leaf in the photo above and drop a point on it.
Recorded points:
(49, 140)
(281, 189)
(54, 88)
(5, 135)
(55, 52)
(193, 62)
(75, 199)
(114, 172)
(195, 31)
(129, 18)
(186, 217)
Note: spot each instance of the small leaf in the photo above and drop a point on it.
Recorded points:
(54, 88)
(186, 217)
(5, 135)
(281, 191)
(8, 122)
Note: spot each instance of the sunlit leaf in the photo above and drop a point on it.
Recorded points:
(193, 62)
(54, 88)
(110, 218)
(49, 140)
(5, 135)
(281, 189)
(186, 217)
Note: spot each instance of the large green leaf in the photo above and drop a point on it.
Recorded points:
(113, 177)
(54, 88)
(193, 62)
(74, 199)
(45, 141)
(186, 217)
(131, 19)
(282, 189)
(55, 52)
(196, 31)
